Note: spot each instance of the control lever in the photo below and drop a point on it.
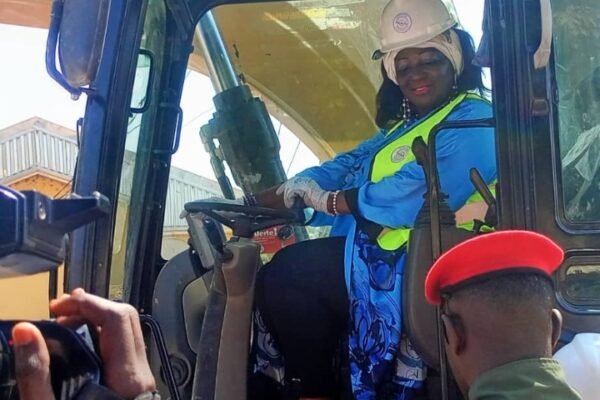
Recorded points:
(491, 215)
(207, 238)
(436, 209)
(440, 214)
(419, 149)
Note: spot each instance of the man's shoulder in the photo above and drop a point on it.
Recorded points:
(532, 379)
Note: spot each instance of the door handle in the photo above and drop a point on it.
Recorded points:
(542, 54)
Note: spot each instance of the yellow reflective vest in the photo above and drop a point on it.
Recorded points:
(396, 154)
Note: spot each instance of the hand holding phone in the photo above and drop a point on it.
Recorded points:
(52, 361)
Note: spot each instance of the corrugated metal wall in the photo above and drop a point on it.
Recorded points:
(37, 149)
(181, 192)
(183, 187)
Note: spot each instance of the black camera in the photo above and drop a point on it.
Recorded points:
(32, 240)
(73, 362)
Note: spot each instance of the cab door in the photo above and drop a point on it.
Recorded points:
(102, 142)
(549, 138)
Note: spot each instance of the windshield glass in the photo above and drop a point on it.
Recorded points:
(310, 62)
(313, 60)
(577, 58)
(191, 176)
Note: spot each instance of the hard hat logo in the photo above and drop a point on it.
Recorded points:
(409, 23)
(402, 23)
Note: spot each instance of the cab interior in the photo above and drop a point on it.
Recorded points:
(310, 62)
(325, 53)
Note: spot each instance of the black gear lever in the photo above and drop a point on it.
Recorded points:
(491, 216)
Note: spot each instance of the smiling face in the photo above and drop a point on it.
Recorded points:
(425, 77)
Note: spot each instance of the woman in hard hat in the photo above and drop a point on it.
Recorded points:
(314, 293)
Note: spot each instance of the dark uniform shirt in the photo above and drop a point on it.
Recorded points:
(532, 379)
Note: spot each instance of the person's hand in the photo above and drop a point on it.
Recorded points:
(121, 343)
(316, 198)
(293, 188)
(32, 363)
(306, 189)
(125, 366)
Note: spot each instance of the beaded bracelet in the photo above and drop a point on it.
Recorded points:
(334, 202)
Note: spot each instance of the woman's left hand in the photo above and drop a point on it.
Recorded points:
(315, 197)
(306, 189)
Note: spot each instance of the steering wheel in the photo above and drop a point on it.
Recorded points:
(243, 220)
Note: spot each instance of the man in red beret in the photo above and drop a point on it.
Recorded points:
(496, 296)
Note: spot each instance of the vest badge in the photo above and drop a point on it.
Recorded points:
(399, 154)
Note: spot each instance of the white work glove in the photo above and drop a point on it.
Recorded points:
(291, 189)
(306, 189)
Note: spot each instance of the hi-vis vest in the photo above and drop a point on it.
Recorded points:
(398, 153)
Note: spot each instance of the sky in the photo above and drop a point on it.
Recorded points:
(26, 90)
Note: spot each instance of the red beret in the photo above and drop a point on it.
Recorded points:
(509, 251)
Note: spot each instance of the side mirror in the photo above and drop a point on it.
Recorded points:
(142, 85)
(77, 31)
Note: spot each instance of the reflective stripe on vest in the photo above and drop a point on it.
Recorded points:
(398, 153)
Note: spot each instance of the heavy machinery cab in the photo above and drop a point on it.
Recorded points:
(310, 63)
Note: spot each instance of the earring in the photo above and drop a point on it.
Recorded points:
(406, 111)
(455, 87)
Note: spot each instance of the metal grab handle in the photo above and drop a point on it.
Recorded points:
(541, 58)
(163, 353)
(179, 115)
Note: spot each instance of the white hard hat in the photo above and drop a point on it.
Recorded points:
(408, 23)
(580, 360)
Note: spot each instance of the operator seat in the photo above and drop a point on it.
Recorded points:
(180, 300)
(419, 317)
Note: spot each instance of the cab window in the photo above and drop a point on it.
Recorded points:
(577, 65)
(191, 176)
(310, 62)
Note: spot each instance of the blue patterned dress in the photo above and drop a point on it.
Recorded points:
(383, 365)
